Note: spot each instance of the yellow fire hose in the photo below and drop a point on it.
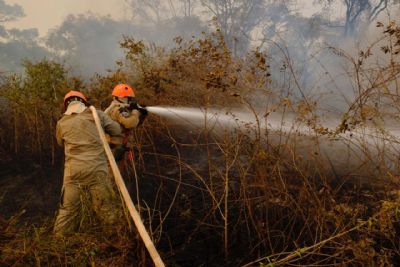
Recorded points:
(125, 194)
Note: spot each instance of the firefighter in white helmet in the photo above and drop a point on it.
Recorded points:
(86, 168)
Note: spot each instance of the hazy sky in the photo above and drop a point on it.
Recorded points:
(47, 14)
(38, 17)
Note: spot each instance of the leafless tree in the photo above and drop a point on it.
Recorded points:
(360, 10)
(147, 10)
(157, 11)
(236, 18)
(187, 7)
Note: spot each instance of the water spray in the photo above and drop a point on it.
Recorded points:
(348, 149)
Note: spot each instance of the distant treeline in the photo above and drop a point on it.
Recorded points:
(199, 72)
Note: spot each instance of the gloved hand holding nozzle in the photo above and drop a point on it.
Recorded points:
(134, 105)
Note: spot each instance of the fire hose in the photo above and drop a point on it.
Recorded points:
(125, 194)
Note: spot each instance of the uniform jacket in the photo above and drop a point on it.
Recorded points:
(84, 152)
(128, 119)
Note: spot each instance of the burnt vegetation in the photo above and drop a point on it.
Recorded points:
(236, 198)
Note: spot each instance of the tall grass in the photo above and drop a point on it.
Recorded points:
(254, 196)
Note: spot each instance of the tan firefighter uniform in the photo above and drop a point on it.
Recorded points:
(128, 113)
(86, 168)
(119, 112)
(128, 119)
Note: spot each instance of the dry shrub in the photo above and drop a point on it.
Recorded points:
(37, 246)
(30, 107)
(235, 198)
(250, 196)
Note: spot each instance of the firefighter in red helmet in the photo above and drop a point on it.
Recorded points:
(86, 166)
(127, 112)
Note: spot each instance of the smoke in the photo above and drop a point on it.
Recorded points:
(308, 55)
(314, 55)
(343, 152)
(16, 44)
(89, 42)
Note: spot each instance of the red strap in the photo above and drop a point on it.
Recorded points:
(125, 142)
(126, 137)
(130, 154)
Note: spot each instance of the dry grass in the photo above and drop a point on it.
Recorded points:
(250, 197)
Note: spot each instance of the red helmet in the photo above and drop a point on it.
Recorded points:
(73, 93)
(123, 90)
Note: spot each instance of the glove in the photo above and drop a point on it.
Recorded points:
(133, 105)
(124, 112)
(143, 111)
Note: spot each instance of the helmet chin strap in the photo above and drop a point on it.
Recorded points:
(71, 99)
(123, 100)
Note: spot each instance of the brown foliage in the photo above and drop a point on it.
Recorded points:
(243, 197)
